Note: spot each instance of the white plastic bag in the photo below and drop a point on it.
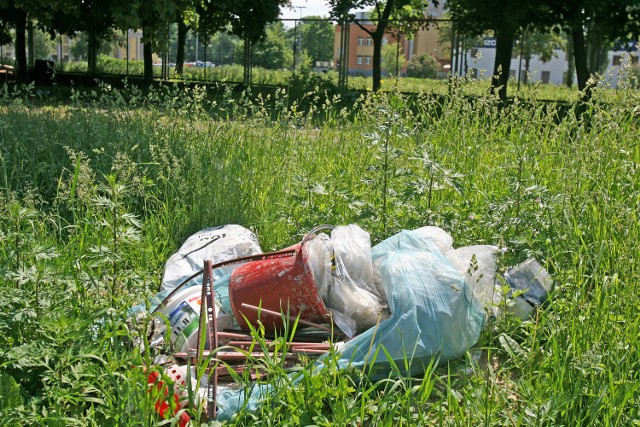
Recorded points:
(442, 239)
(217, 244)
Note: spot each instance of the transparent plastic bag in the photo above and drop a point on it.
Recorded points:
(433, 311)
(353, 292)
(433, 315)
(479, 274)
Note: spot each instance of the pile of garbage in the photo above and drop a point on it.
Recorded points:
(412, 294)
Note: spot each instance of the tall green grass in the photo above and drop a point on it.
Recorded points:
(96, 194)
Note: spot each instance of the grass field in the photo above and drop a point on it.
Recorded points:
(283, 78)
(97, 193)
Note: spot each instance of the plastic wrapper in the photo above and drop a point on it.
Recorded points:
(531, 278)
(342, 270)
(352, 291)
(433, 312)
(532, 282)
(218, 244)
(480, 275)
(319, 252)
(442, 239)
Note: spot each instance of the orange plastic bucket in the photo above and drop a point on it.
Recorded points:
(282, 284)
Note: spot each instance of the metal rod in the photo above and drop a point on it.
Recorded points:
(212, 329)
(308, 351)
(234, 335)
(275, 313)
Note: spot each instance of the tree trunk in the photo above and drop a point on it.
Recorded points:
(248, 59)
(30, 47)
(527, 65)
(502, 65)
(570, 61)
(377, 58)
(580, 57)
(147, 55)
(383, 22)
(182, 38)
(92, 51)
(21, 48)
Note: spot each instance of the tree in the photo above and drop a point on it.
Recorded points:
(423, 66)
(593, 26)
(384, 12)
(505, 18)
(393, 59)
(538, 42)
(273, 51)
(317, 38)
(186, 19)
(95, 18)
(223, 47)
(42, 44)
(246, 19)
(12, 15)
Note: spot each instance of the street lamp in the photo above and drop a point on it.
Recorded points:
(296, 37)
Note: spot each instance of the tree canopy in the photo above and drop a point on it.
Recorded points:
(97, 18)
(592, 27)
(317, 38)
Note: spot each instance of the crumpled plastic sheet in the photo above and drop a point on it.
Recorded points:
(433, 317)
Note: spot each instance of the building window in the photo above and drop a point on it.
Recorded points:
(369, 41)
(545, 76)
(367, 60)
(360, 41)
(359, 61)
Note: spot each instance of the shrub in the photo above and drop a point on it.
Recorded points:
(423, 66)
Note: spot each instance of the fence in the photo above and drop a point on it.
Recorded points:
(342, 51)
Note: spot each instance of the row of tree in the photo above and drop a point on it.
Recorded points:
(591, 26)
(246, 19)
(308, 42)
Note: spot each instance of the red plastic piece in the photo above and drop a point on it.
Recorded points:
(162, 406)
(284, 285)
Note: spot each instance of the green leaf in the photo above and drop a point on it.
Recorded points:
(9, 392)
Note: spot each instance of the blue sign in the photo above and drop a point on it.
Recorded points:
(489, 42)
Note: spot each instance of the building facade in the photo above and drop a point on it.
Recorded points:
(360, 45)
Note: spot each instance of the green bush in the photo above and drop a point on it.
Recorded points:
(423, 66)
